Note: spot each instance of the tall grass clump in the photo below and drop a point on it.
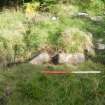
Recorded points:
(75, 40)
(11, 36)
(72, 40)
(35, 39)
(38, 32)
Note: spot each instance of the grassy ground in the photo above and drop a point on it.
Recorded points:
(26, 85)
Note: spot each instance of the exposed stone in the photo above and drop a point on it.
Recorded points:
(100, 40)
(82, 15)
(59, 58)
(96, 18)
(41, 58)
(75, 58)
(54, 18)
(86, 15)
(100, 46)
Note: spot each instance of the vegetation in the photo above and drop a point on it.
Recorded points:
(26, 85)
(52, 25)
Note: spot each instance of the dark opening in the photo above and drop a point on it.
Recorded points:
(55, 59)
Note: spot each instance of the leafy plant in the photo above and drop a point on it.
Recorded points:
(31, 7)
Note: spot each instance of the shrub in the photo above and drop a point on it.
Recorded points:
(73, 40)
(31, 8)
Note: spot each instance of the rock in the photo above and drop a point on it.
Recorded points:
(100, 40)
(92, 18)
(82, 14)
(54, 18)
(100, 46)
(75, 58)
(41, 59)
(64, 58)
(96, 18)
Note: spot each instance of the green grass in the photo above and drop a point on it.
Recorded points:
(29, 86)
